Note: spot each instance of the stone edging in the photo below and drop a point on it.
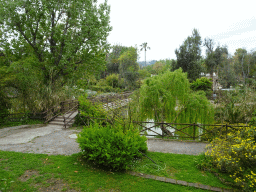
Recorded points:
(179, 182)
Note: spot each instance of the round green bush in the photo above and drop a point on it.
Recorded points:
(111, 147)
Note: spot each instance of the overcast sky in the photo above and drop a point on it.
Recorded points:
(165, 24)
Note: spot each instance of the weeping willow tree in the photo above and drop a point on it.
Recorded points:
(168, 98)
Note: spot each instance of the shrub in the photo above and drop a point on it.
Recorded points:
(89, 109)
(121, 83)
(111, 147)
(112, 80)
(236, 106)
(103, 88)
(236, 156)
(203, 84)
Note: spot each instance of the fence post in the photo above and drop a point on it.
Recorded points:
(194, 131)
(162, 128)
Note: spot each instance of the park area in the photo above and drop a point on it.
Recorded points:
(80, 114)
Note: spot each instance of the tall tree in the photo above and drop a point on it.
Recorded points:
(129, 67)
(189, 55)
(226, 72)
(113, 56)
(210, 60)
(168, 98)
(242, 64)
(145, 47)
(64, 38)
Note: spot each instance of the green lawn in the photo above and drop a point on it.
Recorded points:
(39, 172)
(176, 166)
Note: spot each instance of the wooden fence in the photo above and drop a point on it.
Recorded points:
(186, 131)
(190, 131)
(45, 116)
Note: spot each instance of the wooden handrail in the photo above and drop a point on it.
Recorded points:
(66, 123)
(218, 127)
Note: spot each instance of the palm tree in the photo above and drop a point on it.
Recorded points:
(145, 47)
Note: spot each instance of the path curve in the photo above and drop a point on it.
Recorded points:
(55, 140)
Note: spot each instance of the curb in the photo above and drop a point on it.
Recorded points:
(179, 182)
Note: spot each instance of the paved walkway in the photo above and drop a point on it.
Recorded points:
(53, 139)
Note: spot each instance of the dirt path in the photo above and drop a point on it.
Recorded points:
(55, 140)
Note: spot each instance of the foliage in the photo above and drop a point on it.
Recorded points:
(58, 39)
(113, 62)
(169, 98)
(210, 55)
(144, 46)
(252, 121)
(112, 83)
(226, 72)
(158, 67)
(5, 103)
(189, 55)
(236, 156)
(143, 73)
(104, 88)
(236, 106)
(112, 80)
(129, 67)
(89, 109)
(241, 64)
(203, 84)
(111, 147)
(213, 57)
(23, 121)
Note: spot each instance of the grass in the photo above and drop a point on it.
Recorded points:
(18, 123)
(40, 172)
(176, 166)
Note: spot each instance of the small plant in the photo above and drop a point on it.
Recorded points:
(111, 146)
(203, 162)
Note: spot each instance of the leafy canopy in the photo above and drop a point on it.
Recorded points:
(64, 36)
(168, 98)
(189, 54)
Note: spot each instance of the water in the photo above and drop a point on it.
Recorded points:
(158, 130)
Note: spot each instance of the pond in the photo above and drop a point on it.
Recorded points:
(157, 130)
(154, 131)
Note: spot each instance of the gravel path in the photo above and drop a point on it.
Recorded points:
(54, 140)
